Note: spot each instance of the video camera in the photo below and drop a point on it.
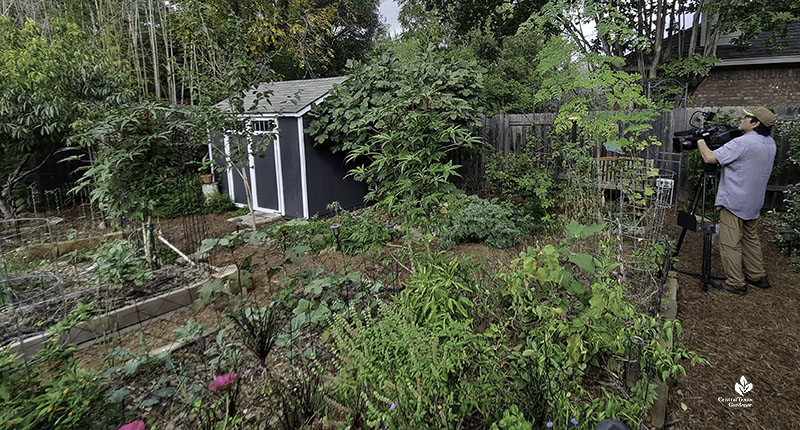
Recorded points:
(715, 135)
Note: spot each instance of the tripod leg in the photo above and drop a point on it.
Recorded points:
(708, 231)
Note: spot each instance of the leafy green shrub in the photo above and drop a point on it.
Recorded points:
(517, 179)
(398, 119)
(790, 130)
(314, 233)
(313, 296)
(398, 374)
(51, 390)
(364, 233)
(480, 220)
(219, 203)
(512, 420)
(357, 233)
(570, 327)
(120, 264)
(184, 196)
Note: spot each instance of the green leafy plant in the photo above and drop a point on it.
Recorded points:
(398, 120)
(512, 420)
(396, 373)
(313, 296)
(241, 281)
(517, 179)
(119, 263)
(51, 76)
(439, 290)
(362, 232)
(51, 389)
(132, 172)
(573, 326)
(480, 220)
(184, 197)
(218, 203)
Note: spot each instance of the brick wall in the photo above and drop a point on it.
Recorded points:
(771, 85)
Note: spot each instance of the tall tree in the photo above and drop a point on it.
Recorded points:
(644, 31)
(46, 83)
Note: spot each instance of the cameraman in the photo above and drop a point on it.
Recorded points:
(746, 166)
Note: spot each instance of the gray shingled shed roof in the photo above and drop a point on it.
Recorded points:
(289, 97)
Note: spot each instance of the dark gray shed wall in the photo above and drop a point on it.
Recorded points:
(222, 176)
(290, 164)
(239, 193)
(326, 180)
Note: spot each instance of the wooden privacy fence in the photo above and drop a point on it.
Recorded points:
(509, 133)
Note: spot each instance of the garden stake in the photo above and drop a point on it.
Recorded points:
(335, 227)
(787, 234)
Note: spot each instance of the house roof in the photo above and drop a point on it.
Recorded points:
(758, 51)
(288, 97)
(786, 49)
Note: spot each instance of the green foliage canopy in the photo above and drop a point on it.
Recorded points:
(46, 83)
(135, 156)
(397, 120)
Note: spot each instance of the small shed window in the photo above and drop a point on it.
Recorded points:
(263, 126)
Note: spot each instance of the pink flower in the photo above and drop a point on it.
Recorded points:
(623, 279)
(222, 382)
(133, 425)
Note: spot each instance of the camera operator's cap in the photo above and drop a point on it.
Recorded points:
(764, 115)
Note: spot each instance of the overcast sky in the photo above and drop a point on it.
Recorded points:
(389, 10)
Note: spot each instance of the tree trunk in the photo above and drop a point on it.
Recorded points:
(6, 208)
(695, 30)
(168, 62)
(154, 49)
(660, 18)
(248, 191)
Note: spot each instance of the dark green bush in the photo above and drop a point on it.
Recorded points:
(219, 203)
(185, 197)
(362, 232)
(525, 180)
(478, 221)
(119, 263)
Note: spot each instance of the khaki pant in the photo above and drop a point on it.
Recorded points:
(739, 246)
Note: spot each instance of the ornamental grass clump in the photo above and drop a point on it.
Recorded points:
(258, 330)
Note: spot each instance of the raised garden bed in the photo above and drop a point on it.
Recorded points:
(24, 324)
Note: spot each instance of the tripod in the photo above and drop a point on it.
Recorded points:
(688, 220)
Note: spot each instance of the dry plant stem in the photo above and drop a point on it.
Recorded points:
(401, 264)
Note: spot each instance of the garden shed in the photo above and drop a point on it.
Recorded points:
(292, 177)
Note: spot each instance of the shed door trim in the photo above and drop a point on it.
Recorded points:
(303, 180)
(229, 171)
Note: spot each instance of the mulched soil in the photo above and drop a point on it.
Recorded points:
(755, 336)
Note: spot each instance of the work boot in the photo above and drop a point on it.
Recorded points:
(731, 289)
(761, 283)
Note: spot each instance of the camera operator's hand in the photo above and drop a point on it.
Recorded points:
(708, 155)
